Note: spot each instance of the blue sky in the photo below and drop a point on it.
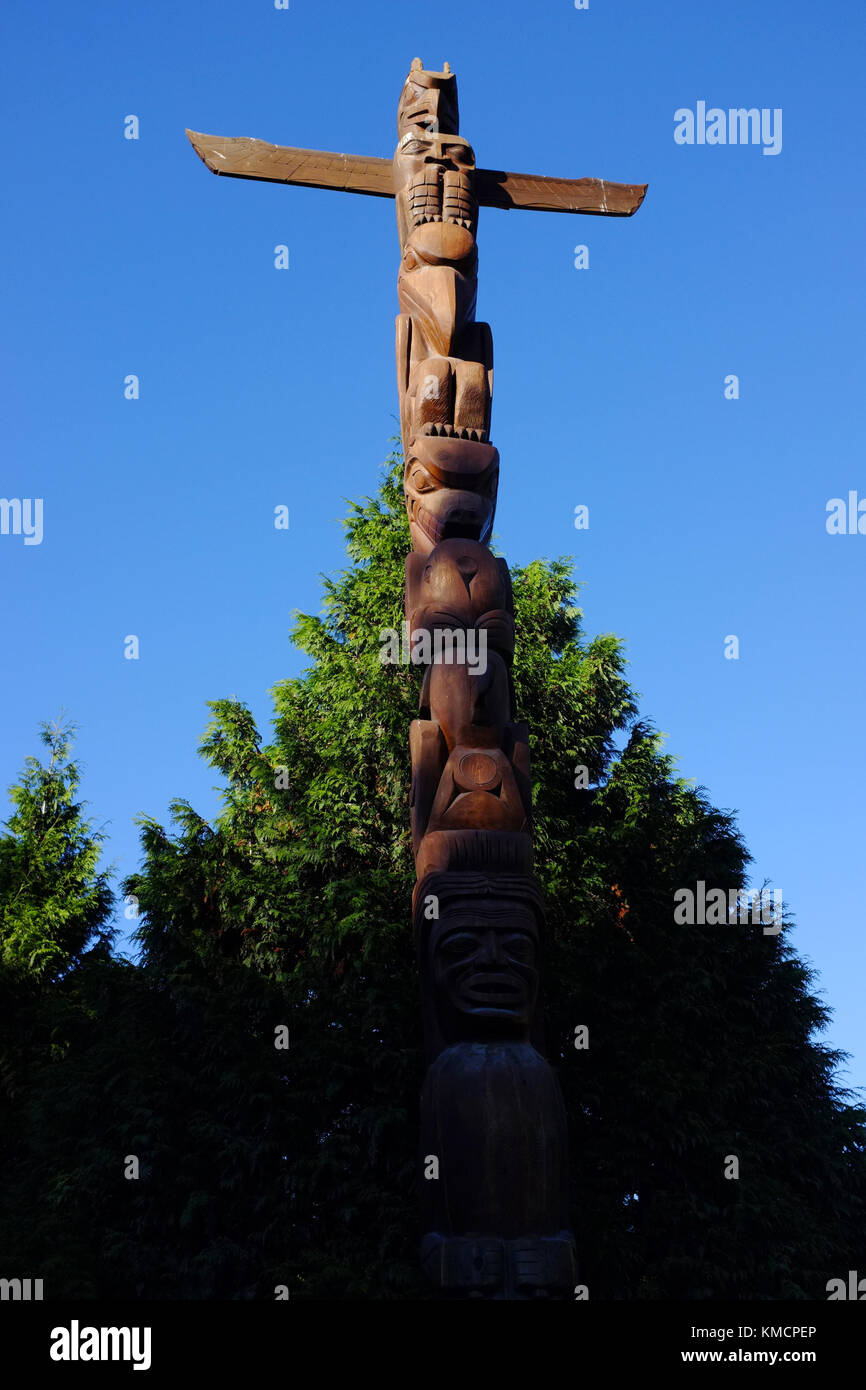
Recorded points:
(260, 387)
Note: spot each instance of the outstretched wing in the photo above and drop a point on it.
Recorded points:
(496, 189)
(243, 158)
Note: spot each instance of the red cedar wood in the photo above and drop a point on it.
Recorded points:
(245, 158)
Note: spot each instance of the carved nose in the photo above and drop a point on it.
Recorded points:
(489, 953)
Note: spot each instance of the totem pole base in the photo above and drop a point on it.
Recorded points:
(495, 1191)
(487, 1267)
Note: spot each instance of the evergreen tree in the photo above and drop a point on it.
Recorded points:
(262, 1166)
(54, 903)
(701, 1038)
(55, 910)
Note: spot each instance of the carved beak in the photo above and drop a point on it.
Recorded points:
(442, 300)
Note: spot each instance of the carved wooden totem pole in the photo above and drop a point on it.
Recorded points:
(493, 1151)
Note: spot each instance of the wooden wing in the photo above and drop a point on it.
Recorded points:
(496, 189)
(244, 158)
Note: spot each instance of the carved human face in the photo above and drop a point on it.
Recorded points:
(437, 218)
(433, 181)
(483, 958)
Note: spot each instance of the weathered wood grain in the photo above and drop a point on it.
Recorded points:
(496, 189)
(245, 158)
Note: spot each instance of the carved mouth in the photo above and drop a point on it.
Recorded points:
(472, 522)
(493, 990)
(454, 432)
(442, 195)
(459, 531)
(457, 221)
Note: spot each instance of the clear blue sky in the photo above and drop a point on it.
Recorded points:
(261, 387)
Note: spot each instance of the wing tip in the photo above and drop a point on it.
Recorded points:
(197, 140)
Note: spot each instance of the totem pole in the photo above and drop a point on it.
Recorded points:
(493, 1149)
(493, 1134)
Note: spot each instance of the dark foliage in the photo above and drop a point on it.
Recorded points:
(262, 1166)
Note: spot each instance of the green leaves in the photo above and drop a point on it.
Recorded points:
(54, 902)
(297, 1167)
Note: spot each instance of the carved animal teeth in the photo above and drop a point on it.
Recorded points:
(447, 431)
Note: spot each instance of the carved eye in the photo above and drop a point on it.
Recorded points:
(520, 947)
(410, 259)
(459, 947)
(415, 147)
(421, 481)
